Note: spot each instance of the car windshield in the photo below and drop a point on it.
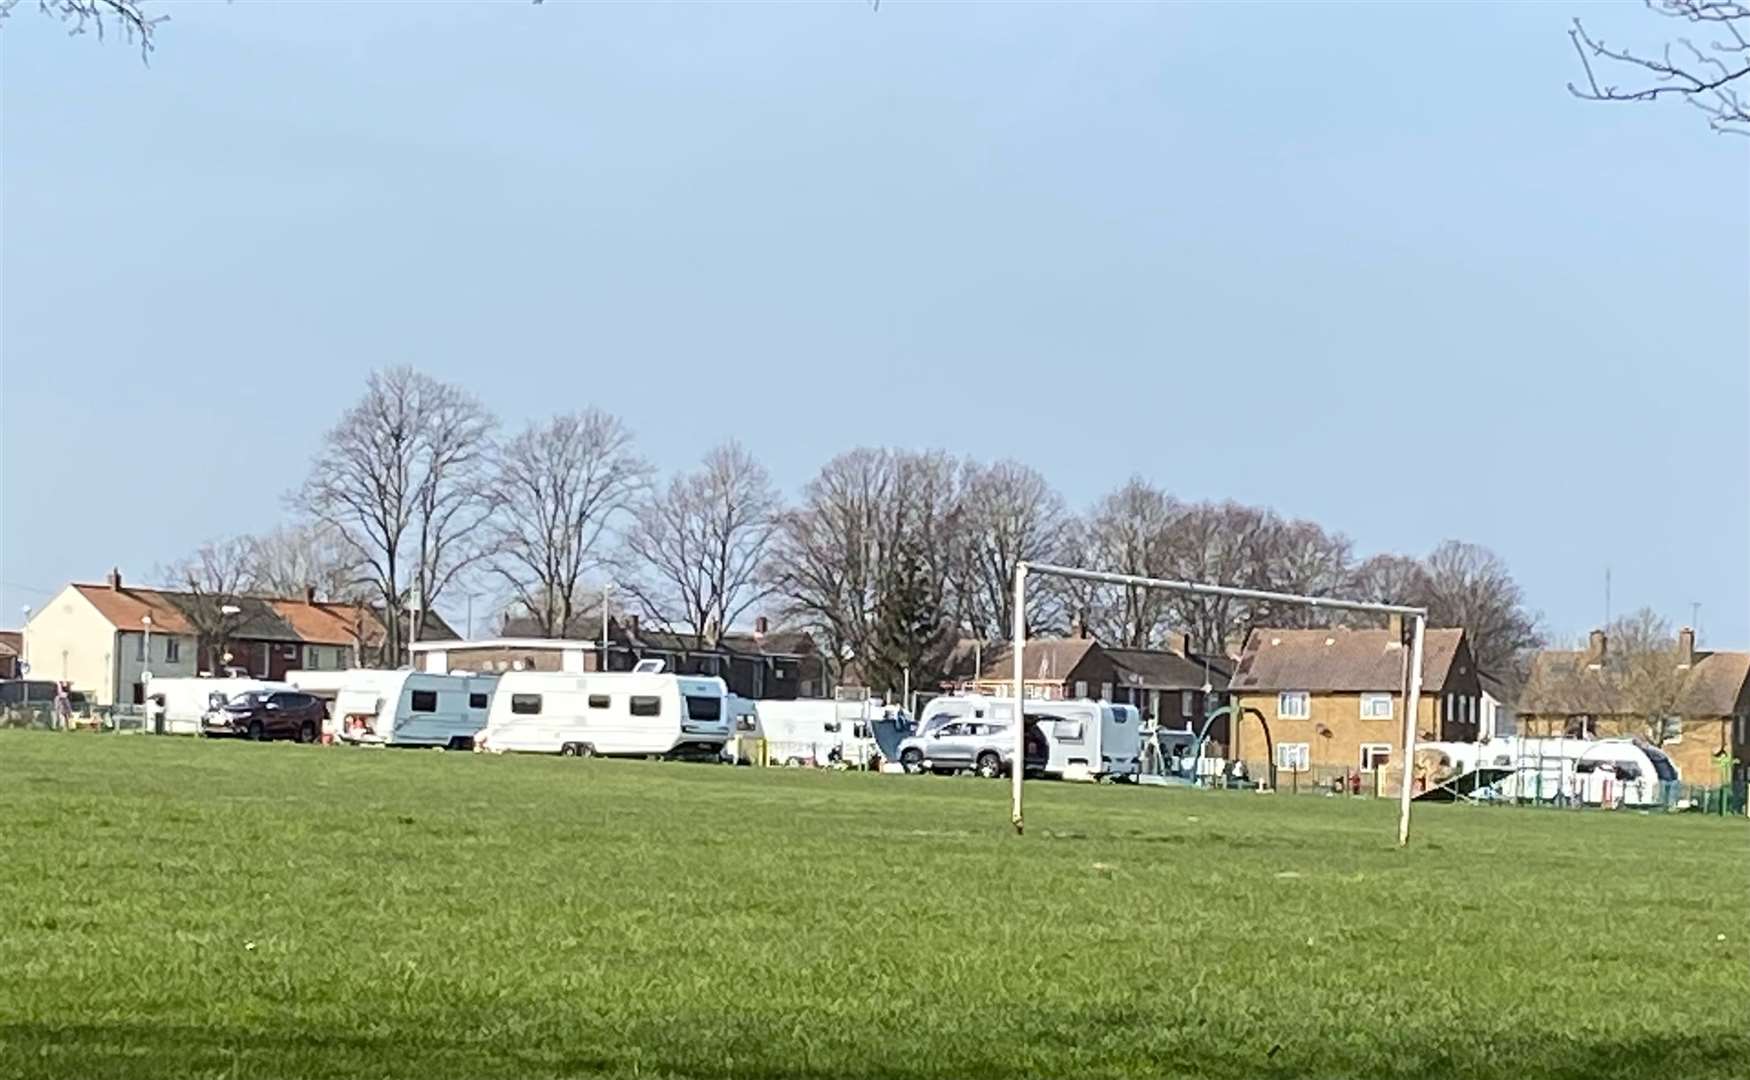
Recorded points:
(249, 699)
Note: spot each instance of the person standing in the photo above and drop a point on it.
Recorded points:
(63, 707)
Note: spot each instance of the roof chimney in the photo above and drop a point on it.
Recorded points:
(1596, 645)
(1685, 647)
(1394, 625)
(761, 626)
(1178, 643)
(1078, 625)
(310, 594)
(631, 626)
(115, 578)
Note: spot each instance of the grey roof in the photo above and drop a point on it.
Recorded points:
(1340, 660)
(1161, 669)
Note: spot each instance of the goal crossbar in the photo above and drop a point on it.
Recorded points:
(1412, 702)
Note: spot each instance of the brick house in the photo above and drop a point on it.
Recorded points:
(760, 663)
(1166, 685)
(102, 639)
(1580, 693)
(1333, 700)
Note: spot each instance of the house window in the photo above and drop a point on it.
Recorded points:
(172, 650)
(806, 689)
(645, 705)
(525, 704)
(424, 701)
(1105, 691)
(1376, 706)
(1081, 688)
(598, 701)
(140, 648)
(1294, 705)
(1187, 704)
(477, 701)
(312, 657)
(1450, 702)
(1375, 756)
(1293, 756)
(340, 658)
(1672, 729)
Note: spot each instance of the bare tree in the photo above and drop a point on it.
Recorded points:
(293, 557)
(1710, 74)
(836, 554)
(1470, 587)
(1011, 514)
(401, 478)
(81, 16)
(209, 592)
(561, 486)
(1228, 544)
(696, 551)
(1391, 579)
(1128, 532)
(1646, 674)
(1301, 557)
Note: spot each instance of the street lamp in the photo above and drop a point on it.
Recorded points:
(23, 640)
(228, 610)
(607, 591)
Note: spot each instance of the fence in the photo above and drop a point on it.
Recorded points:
(105, 718)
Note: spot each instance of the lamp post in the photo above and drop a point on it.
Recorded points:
(607, 591)
(23, 641)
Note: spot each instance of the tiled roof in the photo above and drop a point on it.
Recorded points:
(1562, 682)
(1160, 669)
(1340, 660)
(261, 618)
(1045, 659)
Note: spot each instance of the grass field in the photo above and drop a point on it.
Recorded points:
(175, 908)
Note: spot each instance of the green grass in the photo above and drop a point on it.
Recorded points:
(173, 908)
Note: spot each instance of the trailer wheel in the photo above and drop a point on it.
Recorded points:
(568, 750)
(461, 742)
(912, 760)
(585, 750)
(990, 765)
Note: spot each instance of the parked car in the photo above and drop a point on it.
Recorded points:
(267, 714)
(985, 747)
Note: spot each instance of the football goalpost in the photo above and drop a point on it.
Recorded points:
(1024, 570)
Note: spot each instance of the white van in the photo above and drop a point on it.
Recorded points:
(1087, 738)
(615, 713)
(412, 708)
(815, 731)
(179, 702)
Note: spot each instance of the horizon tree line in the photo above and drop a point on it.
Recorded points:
(889, 559)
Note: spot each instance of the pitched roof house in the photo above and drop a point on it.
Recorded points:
(1333, 700)
(104, 638)
(1693, 703)
(11, 651)
(1167, 685)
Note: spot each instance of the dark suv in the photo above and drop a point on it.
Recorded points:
(267, 714)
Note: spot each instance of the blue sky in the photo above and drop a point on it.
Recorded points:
(1370, 265)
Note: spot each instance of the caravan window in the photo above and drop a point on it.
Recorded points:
(477, 701)
(701, 707)
(646, 705)
(424, 701)
(525, 704)
(599, 701)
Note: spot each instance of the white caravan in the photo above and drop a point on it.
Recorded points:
(1087, 738)
(411, 708)
(810, 731)
(616, 713)
(1595, 772)
(181, 701)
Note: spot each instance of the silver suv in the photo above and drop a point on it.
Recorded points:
(986, 748)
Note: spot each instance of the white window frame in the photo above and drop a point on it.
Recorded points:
(1375, 699)
(1106, 691)
(1294, 757)
(1081, 688)
(1370, 747)
(1187, 704)
(1305, 710)
(312, 657)
(140, 656)
(172, 650)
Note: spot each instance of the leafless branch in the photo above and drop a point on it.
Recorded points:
(1706, 81)
(82, 16)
